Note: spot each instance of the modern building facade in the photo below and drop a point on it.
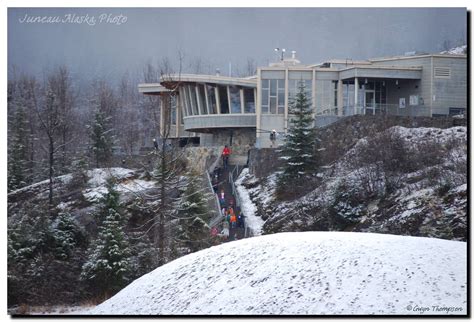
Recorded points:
(241, 112)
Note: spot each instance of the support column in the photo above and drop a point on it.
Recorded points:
(313, 94)
(340, 98)
(178, 115)
(259, 107)
(286, 101)
(356, 94)
(218, 99)
(162, 113)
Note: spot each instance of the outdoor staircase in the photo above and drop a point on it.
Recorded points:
(226, 183)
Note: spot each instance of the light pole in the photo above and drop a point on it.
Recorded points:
(282, 51)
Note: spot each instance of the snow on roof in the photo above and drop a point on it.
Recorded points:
(305, 273)
(461, 50)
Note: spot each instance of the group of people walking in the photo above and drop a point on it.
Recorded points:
(233, 221)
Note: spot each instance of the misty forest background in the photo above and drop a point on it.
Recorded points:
(59, 125)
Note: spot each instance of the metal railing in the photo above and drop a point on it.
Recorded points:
(238, 202)
(218, 216)
(387, 109)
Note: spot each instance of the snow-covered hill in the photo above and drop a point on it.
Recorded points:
(429, 197)
(305, 273)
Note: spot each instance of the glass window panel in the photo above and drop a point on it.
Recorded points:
(202, 98)
(265, 83)
(173, 109)
(281, 84)
(281, 98)
(211, 96)
(235, 106)
(273, 105)
(183, 103)
(265, 97)
(249, 100)
(223, 100)
(188, 101)
(264, 109)
(273, 87)
(192, 95)
(281, 109)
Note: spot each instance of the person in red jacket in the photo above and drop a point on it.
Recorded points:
(225, 156)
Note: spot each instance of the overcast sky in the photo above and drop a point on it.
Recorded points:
(219, 36)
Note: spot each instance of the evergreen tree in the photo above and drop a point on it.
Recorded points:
(66, 234)
(108, 266)
(109, 201)
(101, 138)
(298, 150)
(193, 215)
(18, 151)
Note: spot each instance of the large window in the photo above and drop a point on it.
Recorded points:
(295, 80)
(211, 97)
(173, 100)
(235, 106)
(187, 101)
(202, 98)
(348, 93)
(273, 96)
(294, 85)
(193, 98)
(223, 100)
(182, 99)
(249, 100)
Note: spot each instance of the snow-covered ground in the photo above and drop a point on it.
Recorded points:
(255, 223)
(126, 183)
(306, 273)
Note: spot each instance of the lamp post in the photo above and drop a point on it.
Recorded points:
(282, 51)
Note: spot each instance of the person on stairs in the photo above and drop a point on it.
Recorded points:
(225, 233)
(222, 198)
(233, 221)
(225, 156)
(240, 221)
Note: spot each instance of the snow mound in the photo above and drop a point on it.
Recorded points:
(305, 273)
(461, 50)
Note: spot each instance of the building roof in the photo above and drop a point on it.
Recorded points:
(152, 88)
(213, 79)
(347, 61)
(418, 56)
(381, 72)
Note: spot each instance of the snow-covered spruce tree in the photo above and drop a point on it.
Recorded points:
(101, 138)
(108, 201)
(67, 235)
(108, 264)
(18, 150)
(298, 151)
(107, 267)
(192, 212)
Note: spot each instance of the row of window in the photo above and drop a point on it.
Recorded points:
(204, 99)
(273, 94)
